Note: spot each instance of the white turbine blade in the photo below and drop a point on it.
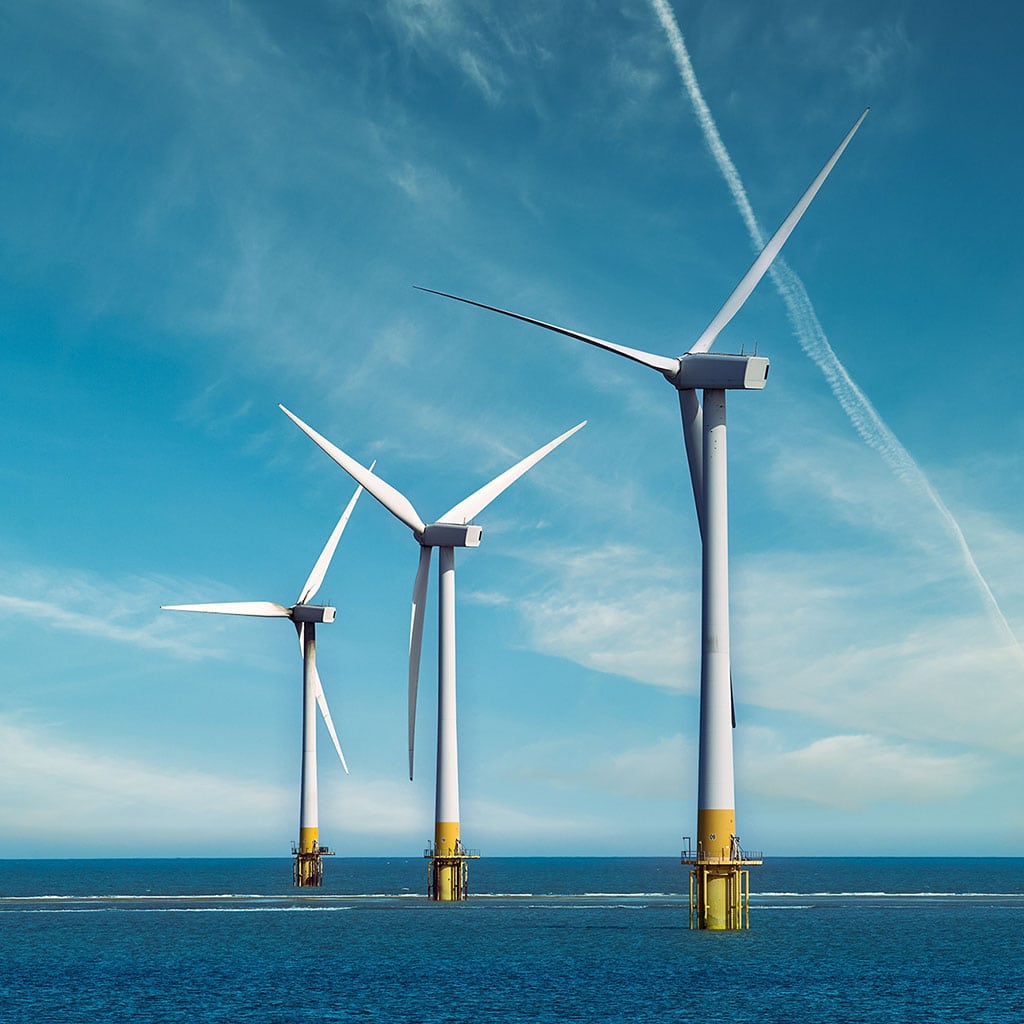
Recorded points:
(693, 435)
(316, 577)
(470, 507)
(262, 609)
(664, 364)
(419, 601)
(321, 699)
(394, 501)
(764, 260)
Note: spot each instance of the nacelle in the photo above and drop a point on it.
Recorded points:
(700, 370)
(450, 535)
(313, 613)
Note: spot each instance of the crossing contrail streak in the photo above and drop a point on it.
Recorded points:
(811, 335)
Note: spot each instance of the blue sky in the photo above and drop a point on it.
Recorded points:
(207, 209)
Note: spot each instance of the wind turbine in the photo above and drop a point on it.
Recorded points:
(455, 529)
(719, 880)
(308, 865)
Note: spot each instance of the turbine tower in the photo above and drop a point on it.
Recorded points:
(719, 881)
(308, 853)
(448, 868)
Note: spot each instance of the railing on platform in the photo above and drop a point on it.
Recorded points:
(689, 855)
(460, 851)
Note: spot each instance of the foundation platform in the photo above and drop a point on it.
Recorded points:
(308, 865)
(720, 887)
(448, 873)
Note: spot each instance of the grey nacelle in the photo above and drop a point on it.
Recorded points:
(730, 372)
(313, 613)
(449, 535)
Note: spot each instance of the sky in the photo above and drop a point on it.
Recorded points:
(207, 209)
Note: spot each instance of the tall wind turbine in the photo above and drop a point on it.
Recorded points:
(308, 865)
(720, 879)
(455, 529)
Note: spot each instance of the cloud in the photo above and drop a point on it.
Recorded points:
(654, 771)
(379, 810)
(486, 78)
(63, 795)
(811, 335)
(853, 771)
(872, 644)
(424, 185)
(619, 609)
(879, 53)
(827, 626)
(470, 38)
(125, 611)
(426, 20)
(498, 822)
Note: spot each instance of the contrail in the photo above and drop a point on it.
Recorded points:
(811, 335)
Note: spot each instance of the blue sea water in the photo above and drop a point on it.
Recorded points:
(540, 940)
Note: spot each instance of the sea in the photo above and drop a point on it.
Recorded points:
(539, 940)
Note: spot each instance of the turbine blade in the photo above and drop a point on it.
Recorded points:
(693, 435)
(262, 609)
(394, 501)
(316, 577)
(470, 507)
(732, 701)
(419, 601)
(321, 699)
(663, 364)
(764, 260)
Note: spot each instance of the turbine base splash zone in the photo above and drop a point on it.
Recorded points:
(448, 870)
(720, 885)
(307, 863)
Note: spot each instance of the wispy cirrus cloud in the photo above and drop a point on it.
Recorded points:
(852, 771)
(124, 611)
(617, 609)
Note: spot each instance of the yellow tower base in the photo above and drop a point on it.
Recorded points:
(447, 867)
(308, 865)
(720, 879)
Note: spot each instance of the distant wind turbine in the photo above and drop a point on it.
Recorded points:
(455, 529)
(719, 865)
(308, 867)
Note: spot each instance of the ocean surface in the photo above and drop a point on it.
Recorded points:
(540, 940)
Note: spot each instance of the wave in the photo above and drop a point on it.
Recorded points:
(206, 897)
(244, 902)
(889, 895)
(143, 896)
(188, 910)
